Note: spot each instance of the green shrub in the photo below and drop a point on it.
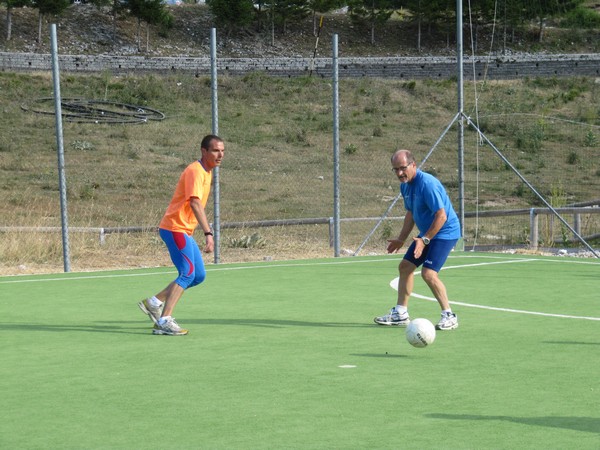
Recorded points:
(581, 17)
(351, 149)
(590, 139)
(255, 240)
(573, 158)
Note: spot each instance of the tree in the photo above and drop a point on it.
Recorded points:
(544, 9)
(48, 7)
(322, 6)
(481, 12)
(372, 12)
(284, 12)
(510, 13)
(231, 14)
(153, 12)
(10, 4)
(431, 13)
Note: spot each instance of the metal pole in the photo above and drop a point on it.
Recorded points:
(215, 131)
(60, 150)
(336, 150)
(461, 124)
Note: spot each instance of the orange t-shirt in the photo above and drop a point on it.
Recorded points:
(193, 182)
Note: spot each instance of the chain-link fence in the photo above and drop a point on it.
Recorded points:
(559, 160)
(276, 186)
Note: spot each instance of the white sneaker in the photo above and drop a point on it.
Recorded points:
(153, 312)
(447, 322)
(393, 318)
(169, 327)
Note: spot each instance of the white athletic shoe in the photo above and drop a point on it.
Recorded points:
(152, 312)
(393, 319)
(447, 322)
(170, 327)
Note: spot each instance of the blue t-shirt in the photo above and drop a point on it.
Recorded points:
(425, 195)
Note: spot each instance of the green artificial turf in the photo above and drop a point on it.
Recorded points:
(285, 355)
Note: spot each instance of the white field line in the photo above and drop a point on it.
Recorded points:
(215, 268)
(208, 269)
(394, 285)
(291, 263)
(516, 311)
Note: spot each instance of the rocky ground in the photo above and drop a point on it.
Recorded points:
(83, 29)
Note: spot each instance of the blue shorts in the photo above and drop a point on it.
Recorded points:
(434, 255)
(186, 256)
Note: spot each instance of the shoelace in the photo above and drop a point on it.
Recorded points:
(174, 325)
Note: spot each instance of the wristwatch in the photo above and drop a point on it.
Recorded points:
(426, 240)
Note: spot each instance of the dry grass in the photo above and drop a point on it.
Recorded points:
(278, 162)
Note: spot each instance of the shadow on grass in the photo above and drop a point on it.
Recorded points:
(571, 343)
(121, 326)
(273, 323)
(61, 328)
(378, 355)
(587, 424)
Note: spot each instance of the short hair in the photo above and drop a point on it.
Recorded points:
(409, 156)
(206, 141)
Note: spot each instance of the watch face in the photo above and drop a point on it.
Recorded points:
(425, 241)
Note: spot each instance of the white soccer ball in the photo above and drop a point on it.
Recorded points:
(420, 333)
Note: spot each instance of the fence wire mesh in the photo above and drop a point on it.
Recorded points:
(279, 167)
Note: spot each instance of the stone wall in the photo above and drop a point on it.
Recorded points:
(497, 67)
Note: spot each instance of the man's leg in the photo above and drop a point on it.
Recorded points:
(398, 316)
(406, 281)
(448, 321)
(170, 296)
(166, 324)
(437, 287)
(437, 254)
(181, 249)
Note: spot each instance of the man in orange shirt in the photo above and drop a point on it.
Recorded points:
(184, 214)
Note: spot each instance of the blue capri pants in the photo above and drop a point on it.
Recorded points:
(186, 256)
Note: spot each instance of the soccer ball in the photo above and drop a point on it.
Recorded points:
(420, 333)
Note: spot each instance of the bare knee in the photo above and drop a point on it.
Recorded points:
(429, 275)
(406, 268)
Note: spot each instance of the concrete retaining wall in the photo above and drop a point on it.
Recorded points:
(389, 67)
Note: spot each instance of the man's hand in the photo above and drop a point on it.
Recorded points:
(394, 245)
(210, 244)
(419, 247)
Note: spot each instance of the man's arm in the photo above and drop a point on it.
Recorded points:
(198, 210)
(396, 244)
(439, 220)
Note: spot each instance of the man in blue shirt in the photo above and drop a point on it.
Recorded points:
(427, 206)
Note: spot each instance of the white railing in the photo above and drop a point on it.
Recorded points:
(533, 213)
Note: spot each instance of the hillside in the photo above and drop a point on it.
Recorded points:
(83, 29)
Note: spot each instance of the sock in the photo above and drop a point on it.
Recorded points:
(446, 312)
(154, 302)
(401, 310)
(162, 320)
